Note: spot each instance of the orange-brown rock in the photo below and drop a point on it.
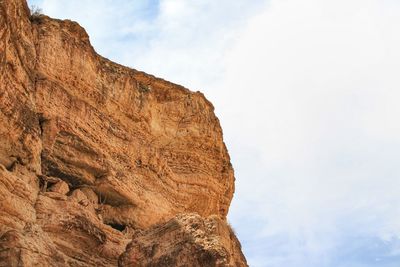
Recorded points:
(186, 240)
(92, 151)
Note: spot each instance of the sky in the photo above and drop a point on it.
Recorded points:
(308, 95)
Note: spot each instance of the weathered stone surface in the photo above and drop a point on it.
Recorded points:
(60, 187)
(19, 128)
(186, 240)
(136, 140)
(92, 151)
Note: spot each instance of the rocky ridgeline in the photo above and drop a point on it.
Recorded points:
(102, 165)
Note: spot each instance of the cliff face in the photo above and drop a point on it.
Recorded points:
(94, 155)
(186, 240)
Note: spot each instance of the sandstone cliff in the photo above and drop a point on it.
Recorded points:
(94, 155)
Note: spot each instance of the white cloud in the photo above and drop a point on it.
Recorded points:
(307, 92)
(314, 85)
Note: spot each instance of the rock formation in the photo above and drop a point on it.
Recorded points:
(95, 156)
(187, 238)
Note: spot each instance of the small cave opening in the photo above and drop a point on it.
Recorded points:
(117, 226)
(42, 120)
(44, 184)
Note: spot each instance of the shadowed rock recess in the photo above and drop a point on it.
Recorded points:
(102, 165)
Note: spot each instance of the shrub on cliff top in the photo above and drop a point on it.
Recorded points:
(35, 11)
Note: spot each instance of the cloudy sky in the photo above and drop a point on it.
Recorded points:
(308, 93)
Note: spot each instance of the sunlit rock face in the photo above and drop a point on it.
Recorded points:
(92, 152)
(185, 240)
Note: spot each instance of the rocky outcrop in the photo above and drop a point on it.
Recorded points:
(93, 153)
(186, 240)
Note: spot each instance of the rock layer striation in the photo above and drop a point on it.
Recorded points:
(95, 155)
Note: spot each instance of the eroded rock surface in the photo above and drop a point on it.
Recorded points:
(92, 152)
(186, 240)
